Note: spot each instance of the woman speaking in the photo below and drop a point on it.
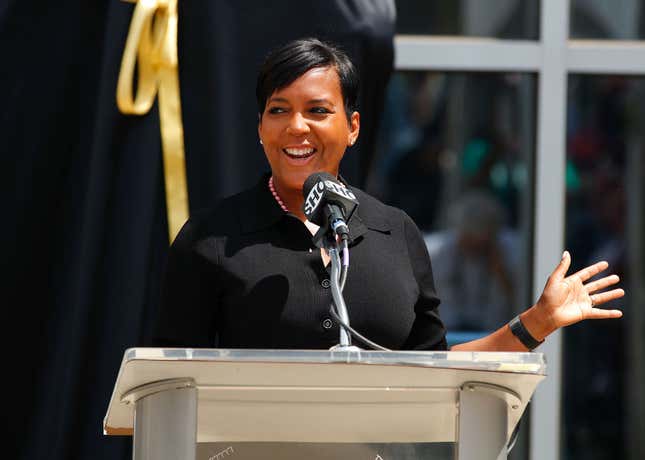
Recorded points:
(245, 274)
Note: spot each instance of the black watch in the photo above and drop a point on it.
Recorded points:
(519, 331)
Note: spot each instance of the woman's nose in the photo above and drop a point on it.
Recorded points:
(297, 125)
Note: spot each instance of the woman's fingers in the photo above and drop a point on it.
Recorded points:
(591, 270)
(561, 270)
(602, 283)
(599, 313)
(603, 297)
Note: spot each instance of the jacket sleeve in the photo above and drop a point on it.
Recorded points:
(187, 312)
(428, 331)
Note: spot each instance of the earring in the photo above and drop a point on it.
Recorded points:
(261, 142)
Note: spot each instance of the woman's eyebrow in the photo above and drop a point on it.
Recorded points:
(310, 101)
(277, 99)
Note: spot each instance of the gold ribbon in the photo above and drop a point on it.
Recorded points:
(152, 39)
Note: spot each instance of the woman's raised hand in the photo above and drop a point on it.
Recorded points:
(567, 300)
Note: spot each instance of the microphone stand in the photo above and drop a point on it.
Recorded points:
(326, 239)
(338, 276)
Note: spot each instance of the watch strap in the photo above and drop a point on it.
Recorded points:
(519, 330)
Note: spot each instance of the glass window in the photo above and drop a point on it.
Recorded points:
(517, 19)
(456, 153)
(603, 388)
(607, 19)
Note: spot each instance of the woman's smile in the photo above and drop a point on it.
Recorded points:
(299, 152)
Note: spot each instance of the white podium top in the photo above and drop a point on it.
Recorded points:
(326, 396)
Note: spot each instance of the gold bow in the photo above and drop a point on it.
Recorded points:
(152, 39)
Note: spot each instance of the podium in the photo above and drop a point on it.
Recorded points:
(172, 400)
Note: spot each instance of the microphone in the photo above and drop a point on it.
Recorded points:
(328, 203)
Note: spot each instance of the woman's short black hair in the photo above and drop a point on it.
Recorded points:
(286, 64)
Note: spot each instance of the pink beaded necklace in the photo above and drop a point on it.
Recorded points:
(276, 196)
(313, 228)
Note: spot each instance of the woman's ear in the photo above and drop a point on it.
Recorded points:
(354, 128)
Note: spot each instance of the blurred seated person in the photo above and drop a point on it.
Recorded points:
(477, 277)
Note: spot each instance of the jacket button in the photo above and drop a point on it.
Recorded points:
(327, 323)
(325, 283)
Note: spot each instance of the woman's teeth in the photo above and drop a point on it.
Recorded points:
(300, 153)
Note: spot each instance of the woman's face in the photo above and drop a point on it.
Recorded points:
(304, 128)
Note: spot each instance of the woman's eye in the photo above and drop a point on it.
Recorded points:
(275, 110)
(320, 110)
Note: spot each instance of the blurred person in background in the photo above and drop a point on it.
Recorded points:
(476, 279)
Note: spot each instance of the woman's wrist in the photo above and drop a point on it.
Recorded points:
(537, 323)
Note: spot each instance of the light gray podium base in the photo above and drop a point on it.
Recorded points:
(483, 421)
(165, 421)
(165, 425)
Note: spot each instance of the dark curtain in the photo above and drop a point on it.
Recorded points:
(86, 227)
